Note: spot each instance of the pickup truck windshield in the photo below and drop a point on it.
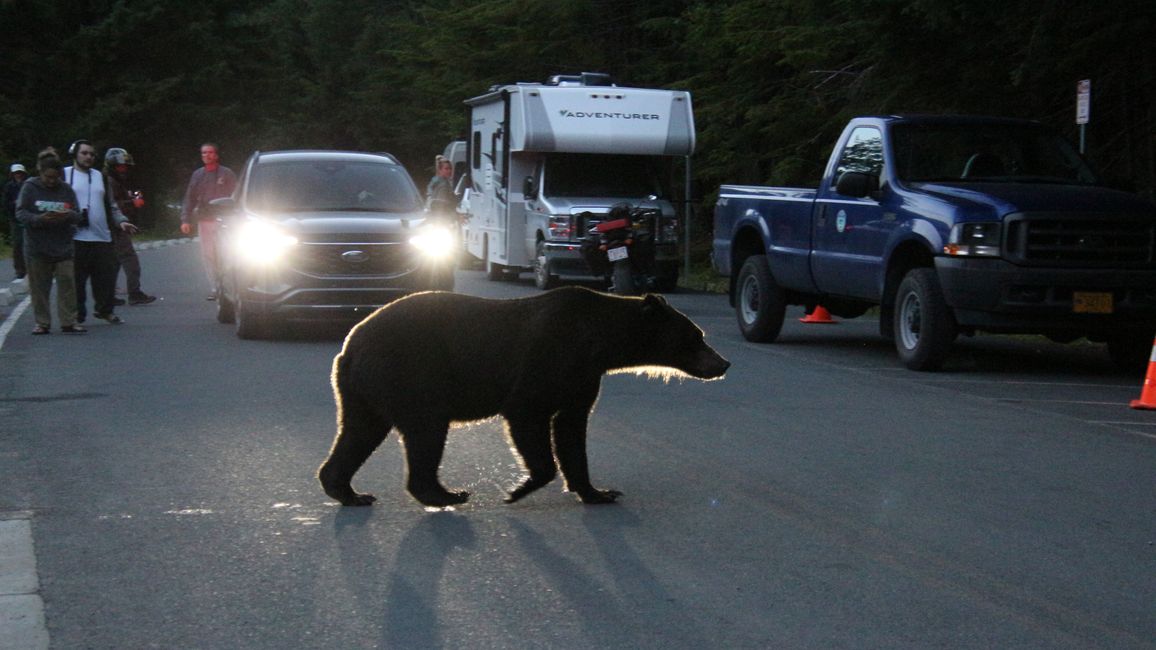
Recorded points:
(577, 175)
(331, 186)
(1015, 153)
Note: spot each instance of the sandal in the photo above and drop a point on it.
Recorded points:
(41, 330)
(73, 329)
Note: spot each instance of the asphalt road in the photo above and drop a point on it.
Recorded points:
(819, 496)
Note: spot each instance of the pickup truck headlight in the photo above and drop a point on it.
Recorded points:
(435, 242)
(973, 239)
(262, 243)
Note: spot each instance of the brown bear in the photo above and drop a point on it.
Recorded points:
(432, 359)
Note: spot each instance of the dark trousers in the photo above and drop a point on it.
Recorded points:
(16, 232)
(95, 261)
(129, 262)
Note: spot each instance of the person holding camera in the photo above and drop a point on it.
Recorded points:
(95, 253)
(46, 207)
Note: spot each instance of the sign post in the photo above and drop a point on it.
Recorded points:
(1083, 108)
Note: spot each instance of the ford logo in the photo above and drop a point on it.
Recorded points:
(1093, 242)
(355, 257)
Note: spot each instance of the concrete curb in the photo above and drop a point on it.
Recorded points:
(21, 607)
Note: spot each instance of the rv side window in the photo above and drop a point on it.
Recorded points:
(477, 150)
(496, 155)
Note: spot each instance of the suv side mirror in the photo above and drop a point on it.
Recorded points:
(857, 184)
(221, 207)
(529, 188)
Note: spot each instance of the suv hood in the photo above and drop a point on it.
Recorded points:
(305, 224)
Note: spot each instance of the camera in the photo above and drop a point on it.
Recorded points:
(83, 218)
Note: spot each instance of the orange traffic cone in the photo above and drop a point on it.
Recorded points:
(819, 316)
(1147, 399)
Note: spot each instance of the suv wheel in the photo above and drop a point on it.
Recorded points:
(249, 325)
(543, 279)
(225, 311)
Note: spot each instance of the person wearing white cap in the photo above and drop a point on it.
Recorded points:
(16, 177)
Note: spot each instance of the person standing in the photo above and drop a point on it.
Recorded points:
(16, 177)
(95, 256)
(212, 181)
(47, 208)
(439, 192)
(117, 162)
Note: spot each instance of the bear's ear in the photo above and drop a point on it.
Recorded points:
(654, 305)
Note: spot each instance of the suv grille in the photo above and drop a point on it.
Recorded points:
(354, 259)
(1087, 240)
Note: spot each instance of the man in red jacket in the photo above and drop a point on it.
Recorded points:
(212, 181)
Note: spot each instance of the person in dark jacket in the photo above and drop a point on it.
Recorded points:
(16, 177)
(117, 162)
(47, 209)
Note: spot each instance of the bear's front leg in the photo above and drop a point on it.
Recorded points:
(424, 445)
(531, 437)
(570, 447)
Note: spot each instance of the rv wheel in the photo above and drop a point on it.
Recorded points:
(543, 279)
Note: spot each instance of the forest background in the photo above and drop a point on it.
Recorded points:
(773, 81)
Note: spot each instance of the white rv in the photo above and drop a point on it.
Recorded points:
(546, 161)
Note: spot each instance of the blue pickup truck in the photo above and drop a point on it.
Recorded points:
(950, 225)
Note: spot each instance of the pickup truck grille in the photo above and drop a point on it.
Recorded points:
(345, 259)
(1084, 240)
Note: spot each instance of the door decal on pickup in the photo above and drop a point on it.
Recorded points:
(841, 221)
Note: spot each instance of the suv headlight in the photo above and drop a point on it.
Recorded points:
(262, 243)
(974, 239)
(435, 242)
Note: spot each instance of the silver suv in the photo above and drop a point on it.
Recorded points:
(324, 235)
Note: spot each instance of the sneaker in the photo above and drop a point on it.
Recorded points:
(142, 299)
(73, 329)
(112, 319)
(118, 302)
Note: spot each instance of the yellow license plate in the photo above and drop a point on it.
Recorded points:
(1092, 302)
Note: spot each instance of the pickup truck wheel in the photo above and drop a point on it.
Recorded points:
(924, 325)
(760, 303)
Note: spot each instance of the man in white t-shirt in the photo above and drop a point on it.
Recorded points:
(95, 254)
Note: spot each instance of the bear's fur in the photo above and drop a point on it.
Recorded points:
(431, 359)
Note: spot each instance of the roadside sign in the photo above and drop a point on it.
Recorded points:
(1083, 101)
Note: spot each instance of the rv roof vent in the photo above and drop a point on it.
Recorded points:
(584, 79)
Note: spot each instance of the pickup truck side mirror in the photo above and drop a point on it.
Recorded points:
(857, 184)
(529, 188)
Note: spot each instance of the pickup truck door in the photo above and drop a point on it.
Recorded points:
(850, 233)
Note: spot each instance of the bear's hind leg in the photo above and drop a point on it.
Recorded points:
(531, 438)
(425, 442)
(360, 430)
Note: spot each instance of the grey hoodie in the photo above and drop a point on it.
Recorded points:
(47, 238)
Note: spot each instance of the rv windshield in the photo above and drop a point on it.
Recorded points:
(331, 186)
(578, 175)
(986, 152)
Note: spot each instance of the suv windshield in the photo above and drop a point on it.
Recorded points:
(987, 153)
(331, 186)
(575, 175)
